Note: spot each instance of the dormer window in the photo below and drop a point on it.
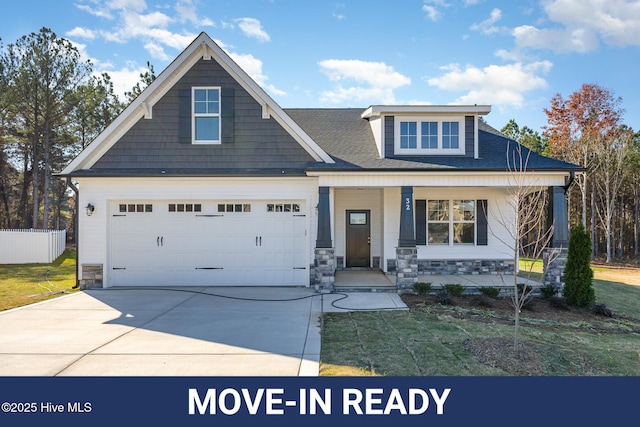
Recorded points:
(429, 135)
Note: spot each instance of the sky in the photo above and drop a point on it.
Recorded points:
(514, 55)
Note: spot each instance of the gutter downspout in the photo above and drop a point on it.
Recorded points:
(572, 177)
(75, 230)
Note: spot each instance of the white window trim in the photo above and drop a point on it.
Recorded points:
(430, 151)
(452, 221)
(194, 115)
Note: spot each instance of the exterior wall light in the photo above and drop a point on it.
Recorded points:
(90, 208)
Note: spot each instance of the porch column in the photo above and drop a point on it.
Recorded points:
(324, 219)
(324, 253)
(559, 215)
(406, 251)
(555, 256)
(407, 236)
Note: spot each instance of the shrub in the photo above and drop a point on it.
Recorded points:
(602, 310)
(578, 276)
(547, 291)
(422, 288)
(444, 298)
(454, 289)
(490, 291)
(558, 302)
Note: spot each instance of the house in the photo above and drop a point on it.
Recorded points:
(205, 180)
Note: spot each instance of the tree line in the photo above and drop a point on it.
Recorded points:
(587, 129)
(52, 105)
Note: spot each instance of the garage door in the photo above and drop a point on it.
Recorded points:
(208, 243)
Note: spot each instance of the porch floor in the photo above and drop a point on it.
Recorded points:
(378, 281)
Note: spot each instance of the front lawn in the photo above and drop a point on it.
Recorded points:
(22, 284)
(474, 336)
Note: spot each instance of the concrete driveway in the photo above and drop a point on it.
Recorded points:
(174, 332)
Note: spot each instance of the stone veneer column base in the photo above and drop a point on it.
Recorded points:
(554, 262)
(91, 276)
(406, 268)
(325, 266)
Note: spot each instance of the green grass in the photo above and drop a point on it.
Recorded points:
(428, 343)
(22, 284)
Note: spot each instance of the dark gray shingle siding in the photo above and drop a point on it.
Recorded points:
(469, 136)
(155, 144)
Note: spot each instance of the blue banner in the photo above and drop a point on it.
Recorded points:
(336, 401)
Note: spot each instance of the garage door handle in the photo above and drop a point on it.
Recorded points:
(158, 241)
(256, 240)
(162, 241)
(260, 240)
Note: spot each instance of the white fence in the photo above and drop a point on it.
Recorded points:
(31, 246)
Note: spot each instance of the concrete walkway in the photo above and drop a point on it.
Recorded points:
(174, 332)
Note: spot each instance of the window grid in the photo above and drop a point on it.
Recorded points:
(135, 208)
(451, 221)
(206, 115)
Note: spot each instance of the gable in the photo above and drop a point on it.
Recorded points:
(164, 142)
(154, 117)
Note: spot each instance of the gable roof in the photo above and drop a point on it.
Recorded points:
(347, 137)
(202, 47)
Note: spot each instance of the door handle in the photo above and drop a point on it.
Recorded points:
(256, 240)
(260, 240)
(158, 241)
(369, 240)
(162, 241)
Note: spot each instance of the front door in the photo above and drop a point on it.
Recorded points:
(358, 238)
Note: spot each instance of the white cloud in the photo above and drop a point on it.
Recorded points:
(83, 33)
(156, 51)
(132, 23)
(252, 27)
(100, 11)
(187, 13)
(580, 25)
(501, 85)
(556, 39)
(125, 78)
(253, 66)
(373, 82)
(486, 27)
(432, 8)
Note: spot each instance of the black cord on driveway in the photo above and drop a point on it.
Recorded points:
(333, 303)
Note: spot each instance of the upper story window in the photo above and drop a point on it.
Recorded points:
(206, 115)
(422, 135)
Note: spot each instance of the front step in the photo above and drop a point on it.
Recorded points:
(365, 288)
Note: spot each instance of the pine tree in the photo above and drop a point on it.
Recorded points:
(578, 287)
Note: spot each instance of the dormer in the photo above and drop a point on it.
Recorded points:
(425, 130)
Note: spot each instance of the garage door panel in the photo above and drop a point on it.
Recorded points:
(236, 244)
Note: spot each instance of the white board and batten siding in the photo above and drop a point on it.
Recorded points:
(200, 231)
(31, 246)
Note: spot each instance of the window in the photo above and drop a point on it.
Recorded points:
(231, 207)
(206, 115)
(438, 222)
(408, 135)
(283, 207)
(448, 222)
(421, 135)
(137, 207)
(185, 207)
(464, 221)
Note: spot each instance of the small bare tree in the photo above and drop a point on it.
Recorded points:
(523, 217)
